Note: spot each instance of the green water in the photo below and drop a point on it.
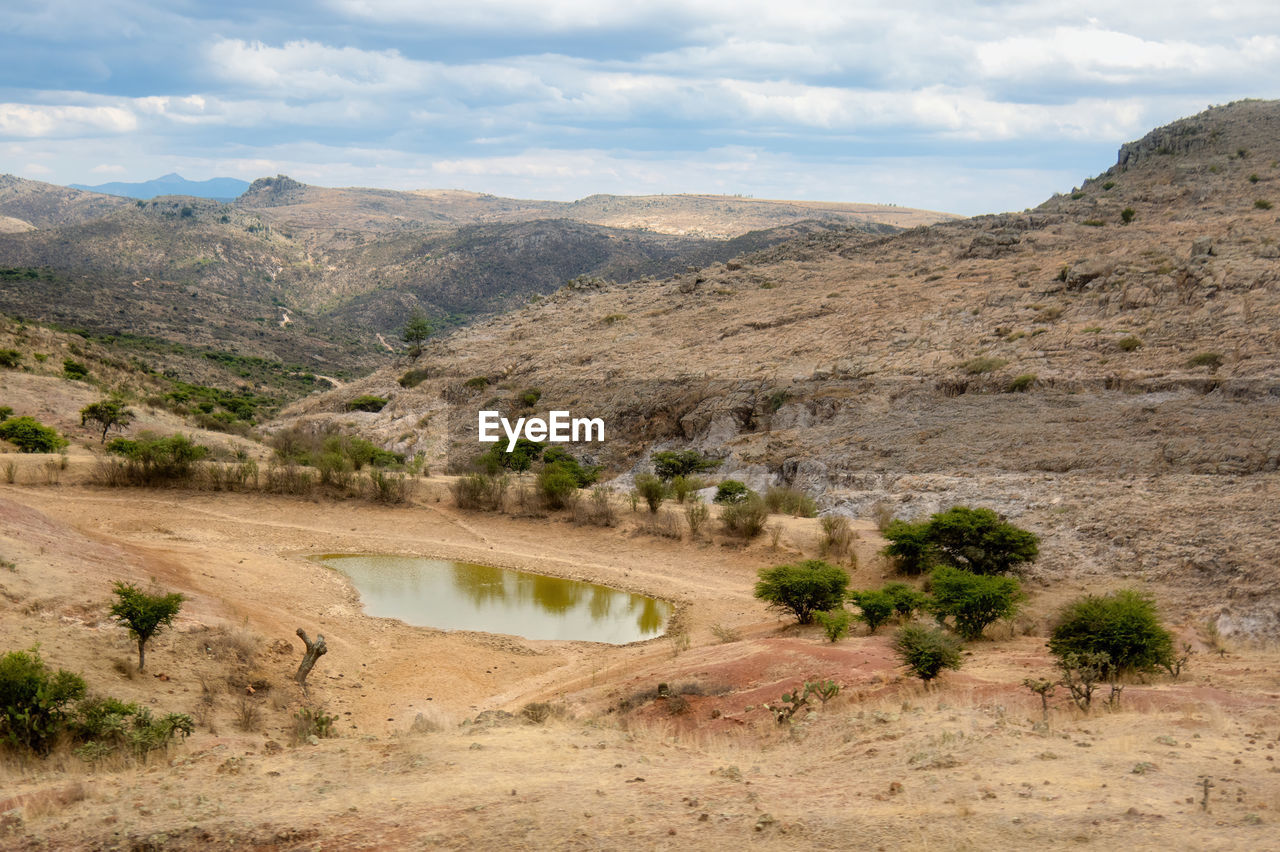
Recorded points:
(463, 596)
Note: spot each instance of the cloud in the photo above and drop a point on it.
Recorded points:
(43, 121)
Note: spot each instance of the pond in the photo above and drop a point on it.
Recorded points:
(464, 596)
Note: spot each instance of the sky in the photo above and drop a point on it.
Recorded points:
(972, 106)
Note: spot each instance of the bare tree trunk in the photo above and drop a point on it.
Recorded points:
(142, 658)
(315, 650)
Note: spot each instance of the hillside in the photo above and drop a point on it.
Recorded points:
(43, 205)
(1064, 365)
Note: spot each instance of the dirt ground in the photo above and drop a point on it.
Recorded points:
(421, 760)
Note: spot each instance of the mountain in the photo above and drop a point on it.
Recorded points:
(220, 189)
(1104, 368)
(34, 204)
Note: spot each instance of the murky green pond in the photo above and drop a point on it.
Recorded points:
(462, 596)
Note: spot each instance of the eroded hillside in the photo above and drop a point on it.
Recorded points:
(1103, 367)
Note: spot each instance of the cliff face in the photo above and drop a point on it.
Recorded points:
(1104, 368)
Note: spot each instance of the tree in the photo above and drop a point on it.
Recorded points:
(908, 546)
(143, 614)
(979, 541)
(669, 464)
(107, 413)
(926, 651)
(803, 589)
(652, 489)
(1123, 627)
(415, 332)
(31, 436)
(877, 607)
(973, 600)
(731, 491)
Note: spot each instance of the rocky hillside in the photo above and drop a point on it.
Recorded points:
(1103, 368)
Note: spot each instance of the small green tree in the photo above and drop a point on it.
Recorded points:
(877, 607)
(557, 485)
(672, 463)
(978, 540)
(144, 615)
(34, 699)
(108, 413)
(731, 491)
(415, 333)
(926, 651)
(803, 589)
(835, 623)
(906, 599)
(1123, 627)
(908, 546)
(972, 600)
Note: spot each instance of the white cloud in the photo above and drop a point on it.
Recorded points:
(105, 169)
(43, 121)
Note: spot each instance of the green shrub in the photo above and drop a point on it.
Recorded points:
(696, 514)
(1127, 214)
(144, 615)
(926, 651)
(983, 364)
(745, 519)
(803, 589)
(1093, 223)
(1212, 360)
(1022, 383)
(669, 464)
(1109, 184)
(1123, 627)
(107, 726)
(152, 460)
(1262, 204)
(1129, 344)
(5, 412)
(386, 487)
(366, 402)
(790, 501)
(530, 397)
(906, 599)
(476, 382)
(583, 476)
(835, 623)
(652, 490)
(414, 377)
(972, 600)
(731, 491)
(557, 484)
(520, 459)
(10, 358)
(683, 486)
(480, 491)
(74, 369)
(876, 607)
(34, 699)
(311, 722)
(908, 547)
(31, 436)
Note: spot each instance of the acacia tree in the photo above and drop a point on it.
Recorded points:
(805, 589)
(416, 331)
(144, 615)
(108, 413)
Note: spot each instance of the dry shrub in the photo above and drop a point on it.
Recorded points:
(429, 721)
(539, 712)
(480, 492)
(745, 519)
(596, 510)
(289, 478)
(248, 714)
(391, 488)
(882, 514)
(666, 524)
(696, 514)
(725, 634)
(837, 537)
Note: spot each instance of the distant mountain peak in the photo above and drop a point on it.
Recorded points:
(219, 189)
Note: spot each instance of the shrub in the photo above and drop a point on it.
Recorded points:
(1212, 360)
(1127, 214)
(1262, 204)
(388, 487)
(583, 476)
(652, 489)
(1093, 223)
(476, 382)
(682, 486)
(366, 402)
(876, 607)
(31, 436)
(746, 519)
(731, 491)
(803, 589)
(906, 600)
(1129, 344)
(908, 546)
(1123, 627)
(837, 536)
(520, 459)
(414, 377)
(1022, 383)
(108, 413)
(983, 364)
(152, 460)
(672, 463)
(479, 491)
(597, 510)
(835, 623)
(926, 651)
(557, 484)
(979, 541)
(33, 700)
(530, 397)
(74, 369)
(696, 514)
(10, 358)
(311, 722)
(107, 726)
(972, 600)
(791, 501)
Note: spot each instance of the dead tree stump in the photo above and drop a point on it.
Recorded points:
(315, 650)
